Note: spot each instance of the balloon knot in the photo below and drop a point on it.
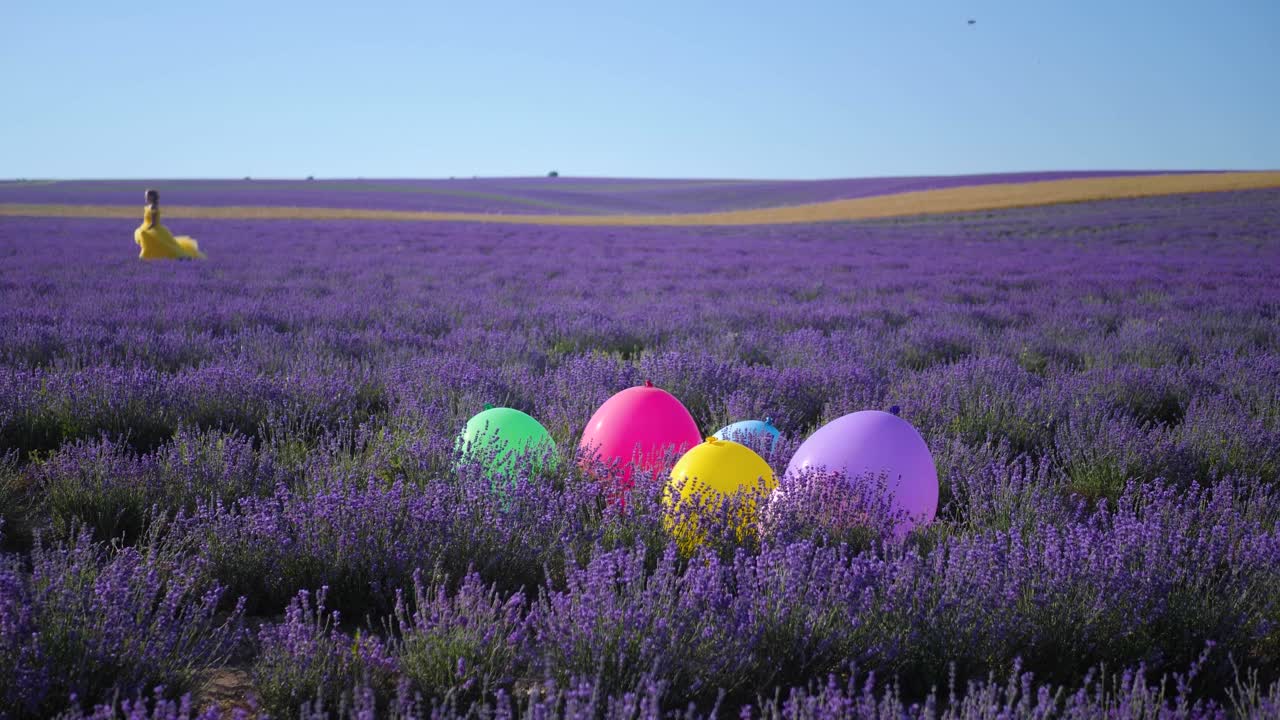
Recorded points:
(768, 421)
(895, 410)
(488, 406)
(648, 383)
(713, 440)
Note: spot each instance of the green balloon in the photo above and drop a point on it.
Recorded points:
(497, 436)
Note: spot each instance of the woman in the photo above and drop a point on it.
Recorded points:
(155, 239)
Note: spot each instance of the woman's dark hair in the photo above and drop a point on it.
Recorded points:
(153, 196)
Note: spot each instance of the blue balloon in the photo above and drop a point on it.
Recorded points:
(748, 431)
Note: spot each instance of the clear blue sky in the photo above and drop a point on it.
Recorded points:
(663, 88)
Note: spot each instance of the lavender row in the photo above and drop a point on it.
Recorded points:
(1131, 693)
(1060, 591)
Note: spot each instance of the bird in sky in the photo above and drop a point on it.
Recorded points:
(973, 22)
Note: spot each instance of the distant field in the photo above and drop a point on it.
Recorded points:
(606, 201)
(564, 195)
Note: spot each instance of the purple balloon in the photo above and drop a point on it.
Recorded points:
(863, 445)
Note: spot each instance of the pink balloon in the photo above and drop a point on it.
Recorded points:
(862, 445)
(640, 424)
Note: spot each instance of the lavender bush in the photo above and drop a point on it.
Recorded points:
(307, 657)
(87, 620)
(466, 644)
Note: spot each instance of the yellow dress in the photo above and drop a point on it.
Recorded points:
(158, 243)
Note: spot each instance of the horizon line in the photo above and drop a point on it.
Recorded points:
(562, 176)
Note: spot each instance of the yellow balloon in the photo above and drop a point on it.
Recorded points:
(715, 470)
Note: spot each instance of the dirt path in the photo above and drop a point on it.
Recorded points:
(227, 687)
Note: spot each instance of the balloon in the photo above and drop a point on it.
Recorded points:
(872, 442)
(638, 425)
(720, 468)
(497, 436)
(751, 432)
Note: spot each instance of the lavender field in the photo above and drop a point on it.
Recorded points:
(589, 196)
(230, 486)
